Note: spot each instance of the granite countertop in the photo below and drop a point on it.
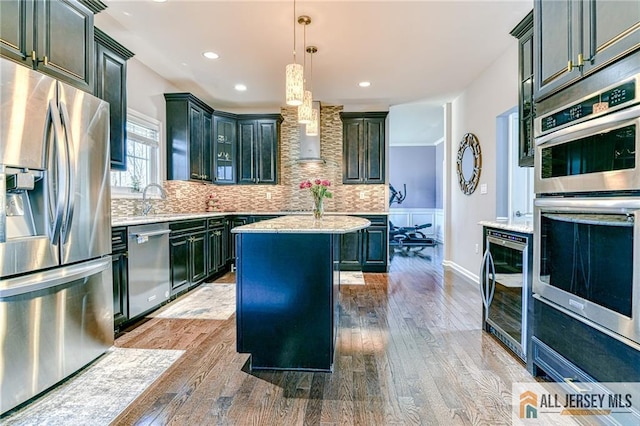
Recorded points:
(306, 224)
(170, 217)
(521, 225)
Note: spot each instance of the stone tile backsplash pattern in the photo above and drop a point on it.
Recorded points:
(191, 197)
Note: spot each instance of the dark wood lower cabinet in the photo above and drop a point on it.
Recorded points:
(217, 247)
(366, 250)
(231, 238)
(179, 258)
(351, 251)
(120, 276)
(375, 248)
(198, 258)
(188, 254)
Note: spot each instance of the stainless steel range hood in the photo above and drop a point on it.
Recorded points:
(310, 145)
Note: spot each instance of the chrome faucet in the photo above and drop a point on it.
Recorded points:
(146, 204)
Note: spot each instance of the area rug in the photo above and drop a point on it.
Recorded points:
(209, 301)
(351, 278)
(97, 395)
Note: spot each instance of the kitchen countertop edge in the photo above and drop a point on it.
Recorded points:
(305, 224)
(117, 221)
(525, 227)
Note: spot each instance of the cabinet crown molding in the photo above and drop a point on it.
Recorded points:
(104, 39)
(376, 114)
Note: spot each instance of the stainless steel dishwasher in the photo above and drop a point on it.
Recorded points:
(149, 271)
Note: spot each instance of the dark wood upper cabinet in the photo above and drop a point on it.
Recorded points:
(363, 147)
(52, 36)
(111, 86)
(225, 147)
(526, 147)
(189, 141)
(258, 139)
(574, 38)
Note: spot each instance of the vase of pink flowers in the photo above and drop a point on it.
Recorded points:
(319, 191)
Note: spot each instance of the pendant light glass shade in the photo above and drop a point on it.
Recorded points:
(294, 84)
(312, 126)
(306, 109)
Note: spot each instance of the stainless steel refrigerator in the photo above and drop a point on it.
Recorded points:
(56, 303)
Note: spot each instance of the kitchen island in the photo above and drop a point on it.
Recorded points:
(287, 290)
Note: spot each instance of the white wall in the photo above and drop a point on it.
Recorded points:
(145, 90)
(145, 94)
(475, 111)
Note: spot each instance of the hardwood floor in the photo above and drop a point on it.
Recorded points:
(410, 351)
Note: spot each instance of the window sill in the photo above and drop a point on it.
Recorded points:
(125, 193)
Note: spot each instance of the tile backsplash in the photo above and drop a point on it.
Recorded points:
(190, 197)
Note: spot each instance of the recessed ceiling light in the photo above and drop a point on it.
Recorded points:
(210, 55)
(126, 13)
(364, 84)
(240, 87)
(159, 1)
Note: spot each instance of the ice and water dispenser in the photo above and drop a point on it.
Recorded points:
(22, 214)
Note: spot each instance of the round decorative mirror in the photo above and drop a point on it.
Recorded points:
(469, 163)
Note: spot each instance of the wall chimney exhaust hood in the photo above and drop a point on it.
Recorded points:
(310, 145)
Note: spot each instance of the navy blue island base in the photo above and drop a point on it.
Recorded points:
(287, 290)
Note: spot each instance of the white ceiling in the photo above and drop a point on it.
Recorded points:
(421, 53)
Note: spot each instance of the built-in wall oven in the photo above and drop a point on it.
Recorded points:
(587, 259)
(586, 211)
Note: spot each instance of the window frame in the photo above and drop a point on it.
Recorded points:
(157, 170)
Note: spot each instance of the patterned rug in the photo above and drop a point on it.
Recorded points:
(209, 301)
(96, 395)
(351, 278)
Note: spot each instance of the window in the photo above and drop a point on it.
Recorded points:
(143, 156)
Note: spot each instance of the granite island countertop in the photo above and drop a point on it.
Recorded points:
(170, 217)
(306, 224)
(521, 225)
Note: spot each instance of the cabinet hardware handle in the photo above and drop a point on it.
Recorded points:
(571, 382)
(579, 64)
(34, 58)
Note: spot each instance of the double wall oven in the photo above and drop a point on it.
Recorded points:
(587, 207)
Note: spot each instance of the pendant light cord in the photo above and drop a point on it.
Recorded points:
(311, 70)
(294, 32)
(304, 57)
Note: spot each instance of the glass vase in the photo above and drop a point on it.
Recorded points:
(318, 208)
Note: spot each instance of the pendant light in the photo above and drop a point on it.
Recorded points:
(313, 125)
(305, 110)
(294, 74)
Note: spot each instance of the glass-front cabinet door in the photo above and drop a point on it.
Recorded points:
(225, 149)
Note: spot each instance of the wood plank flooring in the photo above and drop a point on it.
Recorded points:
(410, 351)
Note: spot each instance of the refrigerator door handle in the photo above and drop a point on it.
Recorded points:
(51, 278)
(55, 179)
(69, 170)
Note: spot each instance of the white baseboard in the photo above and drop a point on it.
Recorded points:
(469, 276)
